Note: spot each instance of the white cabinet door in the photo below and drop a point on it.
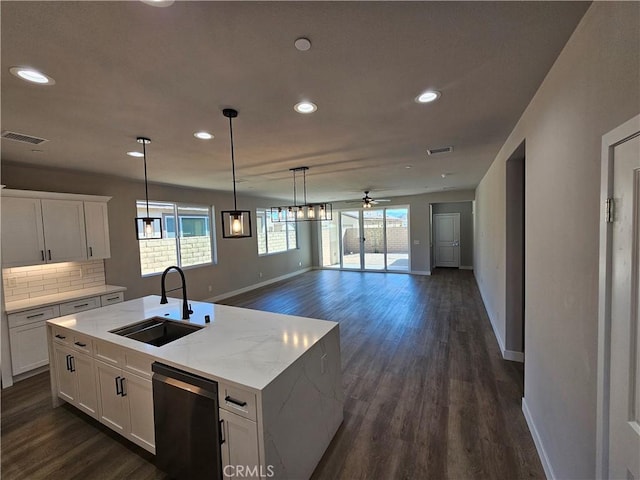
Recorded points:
(86, 398)
(22, 233)
(97, 226)
(113, 407)
(64, 230)
(240, 445)
(28, 347)
(139, 393)
(66, 383)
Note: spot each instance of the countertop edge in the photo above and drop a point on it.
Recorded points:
(55, 299)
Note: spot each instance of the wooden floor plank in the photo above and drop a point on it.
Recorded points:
(427, 394)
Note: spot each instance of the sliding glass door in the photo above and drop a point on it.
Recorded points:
(375, 239)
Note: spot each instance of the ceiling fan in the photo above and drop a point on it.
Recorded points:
(368, 202)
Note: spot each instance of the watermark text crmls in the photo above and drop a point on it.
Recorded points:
(248, 471)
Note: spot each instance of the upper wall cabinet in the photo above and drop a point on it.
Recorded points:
(43, 227)
(97, 226)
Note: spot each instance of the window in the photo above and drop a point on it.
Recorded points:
(187, 237)
(274, 237)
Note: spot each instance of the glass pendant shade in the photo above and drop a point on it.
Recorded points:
(148, 228)
(302, 213)
(236, 223)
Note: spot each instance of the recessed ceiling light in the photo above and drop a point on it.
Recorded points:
(408, 166)
(305, 107)
(135, 154)
(428, 96)
(444, 175)
(203, 135)
(32, 75)
(302, 44)
(159, 3)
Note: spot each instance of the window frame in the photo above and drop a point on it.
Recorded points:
(177, 230)
(264, 213)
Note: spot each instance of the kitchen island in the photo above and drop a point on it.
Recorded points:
(279, 378)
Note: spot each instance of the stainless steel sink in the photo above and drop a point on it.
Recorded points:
(156, 331)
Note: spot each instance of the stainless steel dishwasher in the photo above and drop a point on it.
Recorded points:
(186, 424)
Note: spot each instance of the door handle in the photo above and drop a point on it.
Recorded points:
(42, 254)
(222, 437)
(49, 254)
(68, 363)
(72, 363)
(90, 251)
(122, 391)
(118, 392)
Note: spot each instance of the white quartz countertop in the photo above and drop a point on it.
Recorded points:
(247, 347)
(56, 298)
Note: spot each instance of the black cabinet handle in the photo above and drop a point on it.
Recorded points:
(239, 403)
(68, 363)
(49, 254)
(122, 391)
(80, 344)
(42, 254)
(90, 251)
(81, 305)
(72, 363)
(35, 316)
(222, 439)
(118, 392)
(61, 337)
(112, 298)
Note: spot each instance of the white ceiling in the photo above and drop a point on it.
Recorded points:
(127, 69)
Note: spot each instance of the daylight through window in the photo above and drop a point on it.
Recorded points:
(187, 237)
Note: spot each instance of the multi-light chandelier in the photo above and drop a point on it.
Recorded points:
(305, 212)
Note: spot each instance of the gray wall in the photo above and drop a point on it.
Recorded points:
(592, 88)
(238, 265)
(465, 209)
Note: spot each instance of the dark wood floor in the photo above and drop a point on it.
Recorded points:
(427, 395)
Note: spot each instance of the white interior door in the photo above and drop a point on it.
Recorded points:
(624, 406)
(447, 239)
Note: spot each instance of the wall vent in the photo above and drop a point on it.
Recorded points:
(435, 151)
(21, 137)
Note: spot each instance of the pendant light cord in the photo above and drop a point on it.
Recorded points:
(233, 165)
(295, 199)
(146, 188)
(304, 178)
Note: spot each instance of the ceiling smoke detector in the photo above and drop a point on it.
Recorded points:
(436, 151)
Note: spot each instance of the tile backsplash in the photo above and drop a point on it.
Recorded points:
(21, 283)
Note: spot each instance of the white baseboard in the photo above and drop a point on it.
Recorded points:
(544, 459)
(465, 267)
(420, 272)
(513, 356)
(233, 293)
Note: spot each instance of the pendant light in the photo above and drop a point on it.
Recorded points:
(235, 223)
(147, 228)
(305, 212)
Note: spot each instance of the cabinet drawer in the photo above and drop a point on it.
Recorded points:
(111, 298)
(236, 400)
(138, 363)
(33, 316)
(77, 341)
(62, 335)
(79, 305)
(82, 343)
(108, 353)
